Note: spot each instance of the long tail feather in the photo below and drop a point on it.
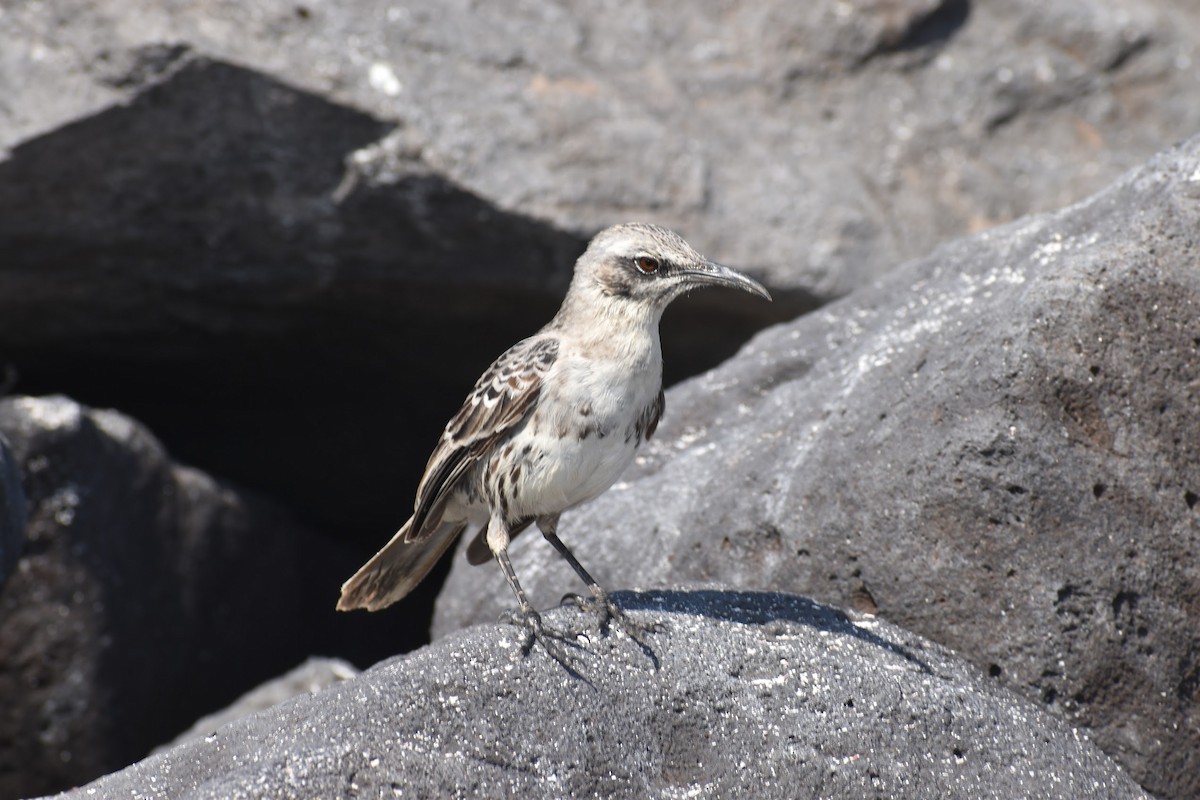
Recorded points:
(396, 570)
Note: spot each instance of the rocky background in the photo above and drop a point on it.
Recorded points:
(281, 242)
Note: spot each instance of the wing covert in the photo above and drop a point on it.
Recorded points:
(502, 397)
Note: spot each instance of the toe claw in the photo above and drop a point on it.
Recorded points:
(573, 599)
(537, 632)
(608, 612)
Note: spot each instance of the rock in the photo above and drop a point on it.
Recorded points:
(766, 695)
(215, 261)
(311, 676)
(995, 446)
(284, 213)
(147, 594)
(288, 237)
(12, 511)
(830, 139)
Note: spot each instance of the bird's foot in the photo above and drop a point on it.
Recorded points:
(609, 613)
(537, 632)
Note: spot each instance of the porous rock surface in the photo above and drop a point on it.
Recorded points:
(257, 228)
(287, 236)
(831, 139)
(734, 693)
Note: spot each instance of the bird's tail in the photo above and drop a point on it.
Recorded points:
(396, 570)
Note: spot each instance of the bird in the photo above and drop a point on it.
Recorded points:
(553, 422)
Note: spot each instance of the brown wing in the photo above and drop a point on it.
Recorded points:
(502, 398)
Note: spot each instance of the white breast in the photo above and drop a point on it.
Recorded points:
(583, 434)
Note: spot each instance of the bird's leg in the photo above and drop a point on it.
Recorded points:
(532, 619)
(498, 539)
(549, 528)
(601, 601)
(535, 631)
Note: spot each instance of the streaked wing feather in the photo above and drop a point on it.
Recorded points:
(502, 397)
(654, 413)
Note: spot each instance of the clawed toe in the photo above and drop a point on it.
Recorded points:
(531, 624)
(609, 613)
(536, 631)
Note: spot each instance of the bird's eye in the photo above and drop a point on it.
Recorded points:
(647, 264)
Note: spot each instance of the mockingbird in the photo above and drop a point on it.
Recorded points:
(553, 422)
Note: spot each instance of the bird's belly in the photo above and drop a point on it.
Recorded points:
(588, 468)
(561, 473)
(573, 446)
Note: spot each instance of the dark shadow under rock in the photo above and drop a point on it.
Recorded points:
(751, 694)
(146, 594)
(221, 258)
(312, 676)
(12, 511)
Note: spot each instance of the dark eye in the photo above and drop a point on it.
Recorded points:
(647, 264)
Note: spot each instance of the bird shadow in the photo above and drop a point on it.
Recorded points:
(760, 608)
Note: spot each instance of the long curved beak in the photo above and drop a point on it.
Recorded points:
(711, 273)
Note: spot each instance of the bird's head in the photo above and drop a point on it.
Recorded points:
(651, 266)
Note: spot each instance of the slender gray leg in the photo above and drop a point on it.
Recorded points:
(549, 528)
(601, 603)
(531, 616)
(498, 538)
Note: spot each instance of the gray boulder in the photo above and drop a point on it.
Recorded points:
(830, 139)
(288, 237)
(12, 511)
(314, 674)
(995, 446)
(146, 594)
(257, 229)
(735, 693)
(183, 257)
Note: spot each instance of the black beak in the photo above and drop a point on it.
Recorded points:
(710, 273)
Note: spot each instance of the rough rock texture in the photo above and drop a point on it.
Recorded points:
(996, 446)
(287, 236)
(139, 583)
(312, 676)
(203, 280)
(12, 511)
(202, 258)
(737, 694)
(829, 138)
